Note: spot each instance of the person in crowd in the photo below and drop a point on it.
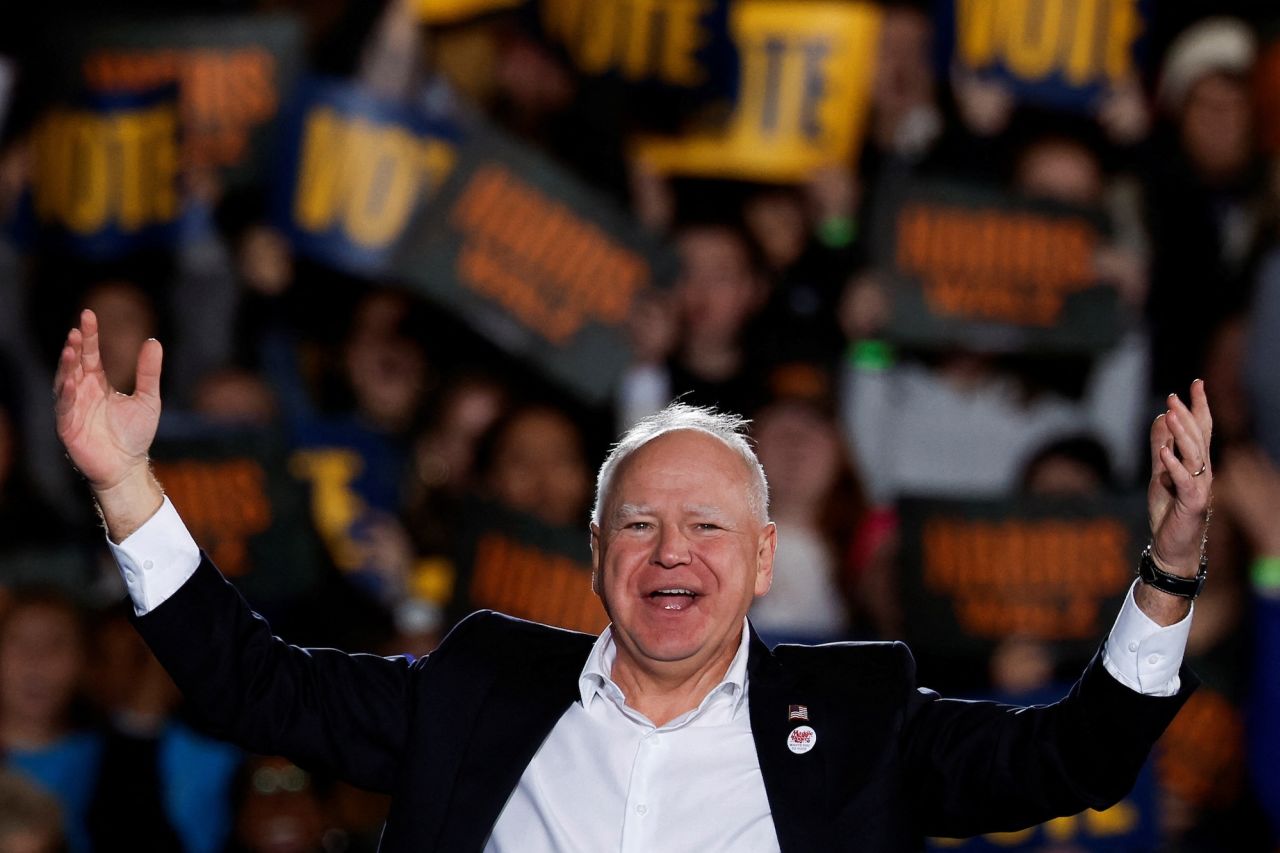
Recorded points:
(444, 472)
(1203, 203)
(42, 655)
(164, 785)
(353, 459)
(999, 409)
(815, 501)
(681, 544)
(697, 343)
(906, 120)
(533, 491)
(807, 236)
(533, 461)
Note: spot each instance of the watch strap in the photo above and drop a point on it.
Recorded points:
(1153, 575)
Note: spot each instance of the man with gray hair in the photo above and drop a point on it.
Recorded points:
(676, 728)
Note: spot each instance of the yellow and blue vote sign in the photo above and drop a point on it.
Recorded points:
(805, 71)
(667, 44)
(542, 265)
(232, 73)
(1060, 53)
(105, 175)
(351, 170)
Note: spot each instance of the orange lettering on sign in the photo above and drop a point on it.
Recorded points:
(530, 583)
(223, 502)
(550, 268)
(1042, 578)
(224, 93)
(1009, 266)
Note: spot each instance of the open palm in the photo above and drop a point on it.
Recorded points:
(107, 434)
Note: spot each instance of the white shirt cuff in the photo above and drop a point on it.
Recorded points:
(1144, 655)
(156, 559)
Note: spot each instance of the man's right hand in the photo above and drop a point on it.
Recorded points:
(108, 434)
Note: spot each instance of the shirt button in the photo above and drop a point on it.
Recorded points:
(642, 809)
(147, 564)
(128, 576)
(1153, 659)
(1133, 647)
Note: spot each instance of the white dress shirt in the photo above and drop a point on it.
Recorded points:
(606, 778)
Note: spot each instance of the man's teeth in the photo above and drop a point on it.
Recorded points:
(677, 597)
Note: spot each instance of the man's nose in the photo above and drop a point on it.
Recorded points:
(671, 549)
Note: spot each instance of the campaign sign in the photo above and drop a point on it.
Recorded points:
(987, 271)
(233, 490)
(805, 75)
(976, 572)
(539, 263)
(520, 566)
(1060, 53)
(232, 74)
(352, 169)
(672, 44)
(104, 178)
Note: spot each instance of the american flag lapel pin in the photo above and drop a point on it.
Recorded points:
(802, 738)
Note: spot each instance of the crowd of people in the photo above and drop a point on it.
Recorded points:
(395, 434)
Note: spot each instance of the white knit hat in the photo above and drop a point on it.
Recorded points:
(1211, 45)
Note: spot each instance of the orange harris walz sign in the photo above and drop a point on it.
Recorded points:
(231, 72)
(975, 572)
(984, 270)
(541, 264)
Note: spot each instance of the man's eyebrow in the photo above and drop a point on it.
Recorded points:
(709, 511)
(626, 511)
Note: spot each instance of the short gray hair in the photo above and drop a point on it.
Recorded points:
(728, 428)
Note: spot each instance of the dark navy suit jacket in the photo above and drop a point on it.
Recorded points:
(449, 735)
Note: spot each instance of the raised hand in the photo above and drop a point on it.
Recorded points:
(107, 434)
(1181, 483)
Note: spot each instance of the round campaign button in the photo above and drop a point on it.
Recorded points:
(801, 739)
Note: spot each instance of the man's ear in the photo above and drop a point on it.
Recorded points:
(595, 558)
(766, 547)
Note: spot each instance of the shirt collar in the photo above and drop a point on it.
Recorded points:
(596, 675)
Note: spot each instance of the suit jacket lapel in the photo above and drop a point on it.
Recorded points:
(793, 781)
(518, 714)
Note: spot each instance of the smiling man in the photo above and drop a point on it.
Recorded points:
(682, 543)
(675, 729)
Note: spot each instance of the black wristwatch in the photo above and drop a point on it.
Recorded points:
(1153, 575)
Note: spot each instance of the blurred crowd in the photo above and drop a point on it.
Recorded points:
(400, 428)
